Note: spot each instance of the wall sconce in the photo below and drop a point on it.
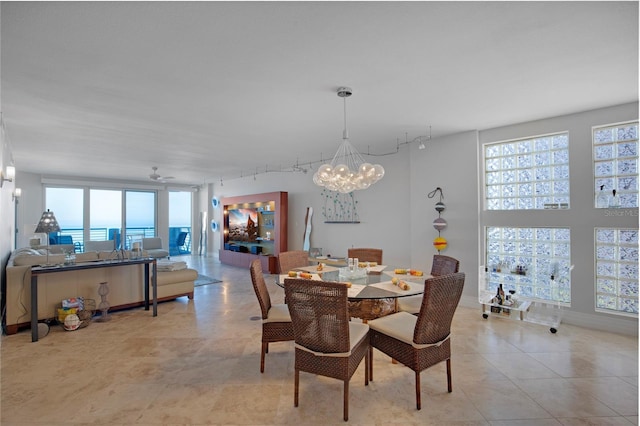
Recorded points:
(17, 193)
(11, 173)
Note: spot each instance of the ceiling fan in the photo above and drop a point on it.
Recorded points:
(158, 178)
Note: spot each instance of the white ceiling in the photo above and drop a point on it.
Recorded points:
(211, 90)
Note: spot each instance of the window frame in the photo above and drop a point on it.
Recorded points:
(617, 278)
(512, 280)
(615, 143)
(556, 199)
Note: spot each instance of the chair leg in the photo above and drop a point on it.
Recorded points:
(418, 404)
(371, 363)
(346, 400)
(367, 363)
(265, 347)
(296, 381)
(450, 388)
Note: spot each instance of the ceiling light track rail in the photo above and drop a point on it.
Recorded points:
(306, 166)
(348, 171)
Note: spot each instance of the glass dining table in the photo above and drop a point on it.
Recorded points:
(372, 293)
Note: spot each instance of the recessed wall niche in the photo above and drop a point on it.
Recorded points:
(254, 227)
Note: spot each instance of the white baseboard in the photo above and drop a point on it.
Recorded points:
(595, 321)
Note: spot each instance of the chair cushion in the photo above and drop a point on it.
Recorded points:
(357, 332)
(401, 326)
(278, 313)
(410, 304)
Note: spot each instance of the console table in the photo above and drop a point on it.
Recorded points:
(36, 271)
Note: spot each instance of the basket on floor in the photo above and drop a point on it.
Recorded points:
(85, 314)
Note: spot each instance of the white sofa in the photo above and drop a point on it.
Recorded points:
(126, 288)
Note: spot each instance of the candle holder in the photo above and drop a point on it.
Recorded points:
(136, 251)
(104, 305)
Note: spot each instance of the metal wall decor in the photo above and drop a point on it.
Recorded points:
(439, 224)
(339, 207)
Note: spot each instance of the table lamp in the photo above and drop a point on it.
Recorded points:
(47, 224)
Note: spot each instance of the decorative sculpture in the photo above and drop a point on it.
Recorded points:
(439, 224)
(104, 305)
(306, 243)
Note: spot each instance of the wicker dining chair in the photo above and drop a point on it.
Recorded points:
(366, 254)
(441, 265)
(288, 260)
(276, 321)
(326, 342)
(422, 341)
(444, 265)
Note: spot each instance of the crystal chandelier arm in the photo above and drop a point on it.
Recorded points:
(347, 154)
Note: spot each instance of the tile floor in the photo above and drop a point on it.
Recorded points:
(197, 363)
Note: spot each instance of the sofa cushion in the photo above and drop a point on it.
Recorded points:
(113, 254)
(171, 265)
(108, 245)
(182, 275)
(153, 247)
(91, 256)
(157, 253)
(33, 260)
(62, 248)
(28, 251)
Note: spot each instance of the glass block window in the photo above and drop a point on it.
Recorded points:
(615, 157)
(535, 262)
(527, 174)
(616, 270)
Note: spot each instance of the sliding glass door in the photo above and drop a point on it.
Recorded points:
(124, 216)
(105, 215)
(140, 216)
(179, 222)
(67, 204)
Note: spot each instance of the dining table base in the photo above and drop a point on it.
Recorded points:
(369, 309)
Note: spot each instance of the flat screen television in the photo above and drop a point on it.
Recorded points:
(243, 225)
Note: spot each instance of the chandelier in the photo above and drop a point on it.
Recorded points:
(347, 171)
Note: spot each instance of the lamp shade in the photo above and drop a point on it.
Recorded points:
(11, 172)
(48, 223)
